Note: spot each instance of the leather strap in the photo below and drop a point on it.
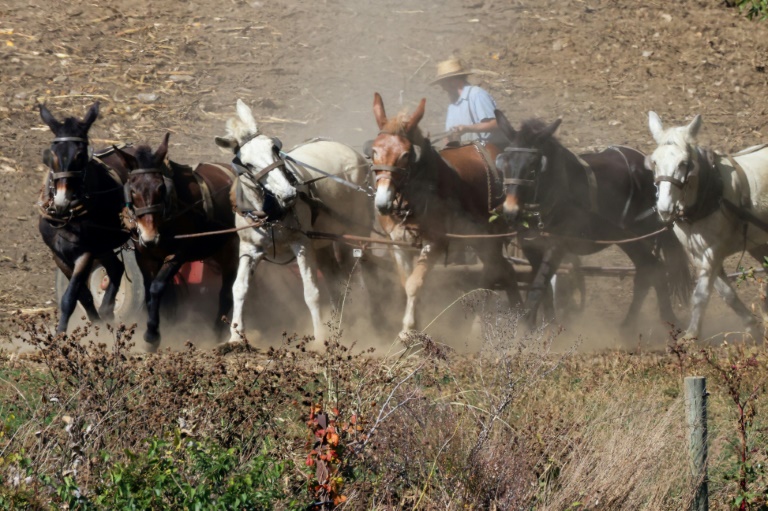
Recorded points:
(592, 181)
(205, 193)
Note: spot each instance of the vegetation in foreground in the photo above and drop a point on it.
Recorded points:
(88, 425)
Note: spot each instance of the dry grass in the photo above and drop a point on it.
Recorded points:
(511, 427)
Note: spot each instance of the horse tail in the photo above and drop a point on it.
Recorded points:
(678, 270)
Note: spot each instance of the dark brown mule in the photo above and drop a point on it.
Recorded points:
(423, 194)
(163, 200)
(80, 213)
(563, 203)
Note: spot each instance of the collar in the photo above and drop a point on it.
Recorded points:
(464, 96)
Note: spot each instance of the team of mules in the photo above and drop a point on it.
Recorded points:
(308, 203)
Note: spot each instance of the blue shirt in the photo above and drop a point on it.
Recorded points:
(473, 106)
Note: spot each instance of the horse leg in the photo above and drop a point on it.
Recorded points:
(329, 265)
(77, 290)
(414, 283)
(404, 261)
(250, 256)
(550, 262)
(84, 296)
(229, 272)
(701, 294)
(726, 291)
(115, 269)
(648, 271)
(498, 271)
(305, 257)
(156, 291)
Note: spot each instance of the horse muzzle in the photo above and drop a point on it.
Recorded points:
(511, 209)
(384, 200)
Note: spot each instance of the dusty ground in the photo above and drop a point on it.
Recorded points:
(310, 69)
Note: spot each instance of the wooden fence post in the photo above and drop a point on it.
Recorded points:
(696, 418)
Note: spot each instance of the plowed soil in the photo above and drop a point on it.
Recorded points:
(311, 68)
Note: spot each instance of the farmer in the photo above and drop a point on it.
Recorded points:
(470, 114)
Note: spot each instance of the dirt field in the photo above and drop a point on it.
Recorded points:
(310, 69)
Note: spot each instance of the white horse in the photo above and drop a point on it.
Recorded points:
(318, 186)
(719, 206)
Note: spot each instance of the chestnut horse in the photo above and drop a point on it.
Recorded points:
(423, 195)
(568, 204)
(80, 213)
(164, 199)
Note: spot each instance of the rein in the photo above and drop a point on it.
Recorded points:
(325, 174)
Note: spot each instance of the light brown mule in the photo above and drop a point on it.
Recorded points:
(422, 195)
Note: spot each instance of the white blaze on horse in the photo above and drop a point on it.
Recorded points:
(318, 186)
(718, 205)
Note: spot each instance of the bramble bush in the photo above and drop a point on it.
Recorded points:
(88, 424)
(754, 9)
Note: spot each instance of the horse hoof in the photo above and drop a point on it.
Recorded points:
(232, 345)
(152, 338)
(689, 336)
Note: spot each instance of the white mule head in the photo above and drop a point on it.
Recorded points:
(673, 165)
(255, 152)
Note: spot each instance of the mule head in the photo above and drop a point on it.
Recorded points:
(674, 165)
(68, 157)
(259, 163)
(394, 152)
(149, 191)
(523, 162)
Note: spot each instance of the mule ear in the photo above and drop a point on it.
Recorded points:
(226, 143)
(91, 115)
(48, 118)
(648, 163)
(504, 124)
(246, 115)
(694, 127)
(417, 115)
(654, 124)
(162, 151)
(378, 110)
(127, 160)
(547, 132)
(416, 153)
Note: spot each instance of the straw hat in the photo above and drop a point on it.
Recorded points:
(448, 68)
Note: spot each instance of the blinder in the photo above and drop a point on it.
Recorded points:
(48, 158)
(368, 148)
(691, 172)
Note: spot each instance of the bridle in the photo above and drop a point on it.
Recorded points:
(68, 173)
(401, 174)
(164, 207)
(517, 181)
(247, 169)
(678, 183)
(532, 209)
(254, 180)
